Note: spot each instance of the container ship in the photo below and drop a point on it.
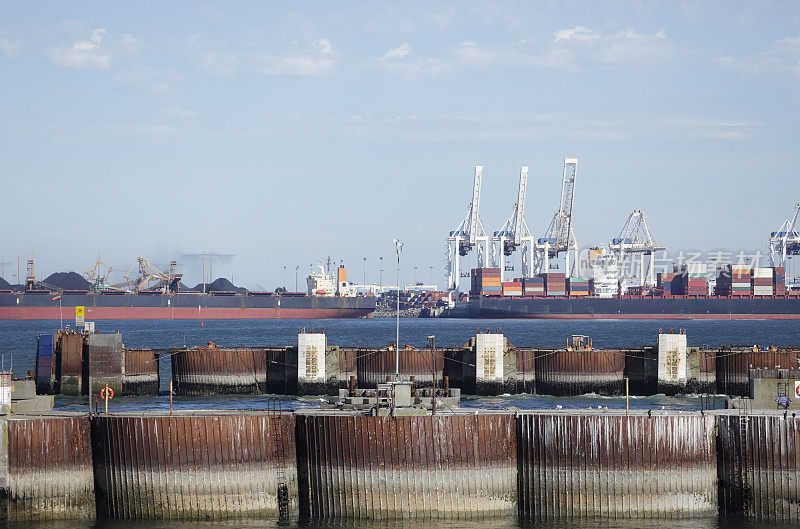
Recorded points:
(328, 296)
(735, 292)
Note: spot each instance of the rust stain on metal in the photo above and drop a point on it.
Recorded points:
(49, 468)
(577, 372)
(616, 466)
(374, 365)
(192, 466)
(733, 366)
(424, 467)
(759, 469)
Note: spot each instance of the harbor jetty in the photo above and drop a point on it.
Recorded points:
(331, 465)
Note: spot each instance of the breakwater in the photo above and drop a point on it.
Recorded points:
(488, 364)
(328, 466)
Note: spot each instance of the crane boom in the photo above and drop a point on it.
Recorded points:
(567, 200)
(519, 208)
(476, 200)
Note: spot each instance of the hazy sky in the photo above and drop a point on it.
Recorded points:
(279, 133)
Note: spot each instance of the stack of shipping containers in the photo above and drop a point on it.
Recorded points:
(780, 281)
(665, 282)
(734, 281)
(555, 284)
(762, 280)
(533, 286)
(578, 286)
(512, 288)
(486, 282)
(694, 278)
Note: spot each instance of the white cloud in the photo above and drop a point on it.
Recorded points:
(572, 48)
(150, 78)
(92, 53)
(399, 52)
(10, 48)
(401, 61)
(181, 112)
(782, 55)
(320, 59)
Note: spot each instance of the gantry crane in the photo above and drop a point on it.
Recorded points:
(515, 233)
(636, 237)
(466, 236)
(785, 241)
(98, 275)
(560, 236)
(149, 274)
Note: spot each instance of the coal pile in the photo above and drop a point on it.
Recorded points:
(4, 285)
(67, 281)
(220, 285)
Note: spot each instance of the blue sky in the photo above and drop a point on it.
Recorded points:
(279, 133)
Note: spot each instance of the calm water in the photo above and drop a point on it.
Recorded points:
(18, 339)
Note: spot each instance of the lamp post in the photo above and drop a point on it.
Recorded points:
(380, 271)
(365, 271)
(296, 271)
(284, 278)
(398, 248)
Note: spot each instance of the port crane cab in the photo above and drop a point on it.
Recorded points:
(560, 236)
(786, 241)
(514, 233)
(637, 238)
(468, 234)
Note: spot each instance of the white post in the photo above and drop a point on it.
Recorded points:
(398, 248)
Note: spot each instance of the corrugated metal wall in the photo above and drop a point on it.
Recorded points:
(616, 466)
(50, 468)
(433, 467)
(194, 466)
(564, 372)
(373, 366)
(759, 466)
(211, 371)
(733, 367)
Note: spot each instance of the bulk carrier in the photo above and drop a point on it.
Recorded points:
(327, 297)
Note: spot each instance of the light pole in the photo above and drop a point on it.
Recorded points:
(296, 271)
(431, 275)
(365, 271)
(415, 275)
(398, 248)
(381, 273)
(284, 278)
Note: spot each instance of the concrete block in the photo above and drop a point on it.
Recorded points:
(39, 404)
(23, 389)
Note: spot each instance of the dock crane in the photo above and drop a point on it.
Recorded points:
(148, 274)
(636, 237)
(466, 236)
(515, 233)
(560, 236)
(786, 241)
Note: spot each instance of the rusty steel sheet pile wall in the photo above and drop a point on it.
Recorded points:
(569, 372)
(578, 466)
(141, 372)
(281, 365)
(374, 365)
(525, 377)
(759, 466)
(70, 367)
(702, 366)
(424, 467)
(733, 366)
(49, 468)
(219, 371)
(192, 466)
